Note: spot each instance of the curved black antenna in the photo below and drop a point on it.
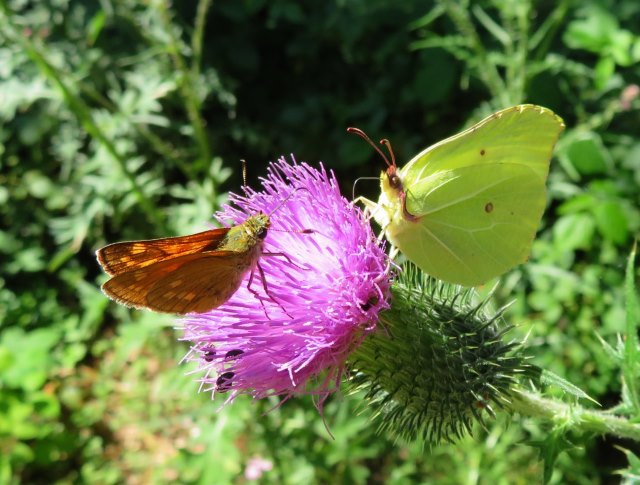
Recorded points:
(384, 142)
(353, 191)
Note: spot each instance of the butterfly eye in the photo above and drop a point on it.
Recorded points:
(262, 233)
(395, 181)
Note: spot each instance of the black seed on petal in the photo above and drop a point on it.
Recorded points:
(233, 353)
(208, 353)
(224, 382)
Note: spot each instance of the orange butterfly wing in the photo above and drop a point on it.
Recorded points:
(121, 257)
(193, 283)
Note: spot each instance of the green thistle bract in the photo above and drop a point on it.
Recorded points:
(437, 361)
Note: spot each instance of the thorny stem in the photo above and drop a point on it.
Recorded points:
(579, 418)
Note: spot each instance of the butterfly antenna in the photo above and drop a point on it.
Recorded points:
(364, 136)
(244, 172)
(301, 231)
(286, 199)
(387, 143)
(353, 191)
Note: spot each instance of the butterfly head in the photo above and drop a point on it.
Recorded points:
(390, 177)
(257, 226)
(390, 182)
(393, 180)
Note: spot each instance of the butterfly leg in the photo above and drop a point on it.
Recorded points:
(376, 212)
(284, 256)
(266, 291)
(369, 206)
(256, 294)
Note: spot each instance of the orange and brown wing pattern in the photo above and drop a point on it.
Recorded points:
(121, 257)
(193, 283)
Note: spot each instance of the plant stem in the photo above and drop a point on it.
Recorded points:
(198, 35)
(187, 82)
(486, 69)
(579, 418)
(519, 67)
(541, 40)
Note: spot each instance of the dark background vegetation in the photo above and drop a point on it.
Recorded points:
(127, 120)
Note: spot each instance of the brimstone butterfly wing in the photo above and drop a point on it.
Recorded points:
(466, 209)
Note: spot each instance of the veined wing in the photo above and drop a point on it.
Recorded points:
(523, 135)
(184, 284)
(470, 232)
(121, 257)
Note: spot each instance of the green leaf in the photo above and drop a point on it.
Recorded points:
(631, 161)
(611, 222)
(631, 363)
(586, 153)
(635, 50)
(632, 472)
(578, 203)
(574, 231)
(605, 68)
(592, 33)
(621, 42)
(550, 448)
(32, 359)
(95, 26)
(549, 378)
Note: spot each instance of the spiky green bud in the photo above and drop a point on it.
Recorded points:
(438, 361)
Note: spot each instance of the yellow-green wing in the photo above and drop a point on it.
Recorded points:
(523, 135)
(470, 236)
(478, 197)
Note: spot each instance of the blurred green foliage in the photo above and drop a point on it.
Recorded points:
(123, 120)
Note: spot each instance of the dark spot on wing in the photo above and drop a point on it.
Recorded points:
(488, 207)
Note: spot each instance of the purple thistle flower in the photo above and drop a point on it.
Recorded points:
(328, 291)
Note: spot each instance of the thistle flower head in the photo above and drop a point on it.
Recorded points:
(442, 363)
(325, 281)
